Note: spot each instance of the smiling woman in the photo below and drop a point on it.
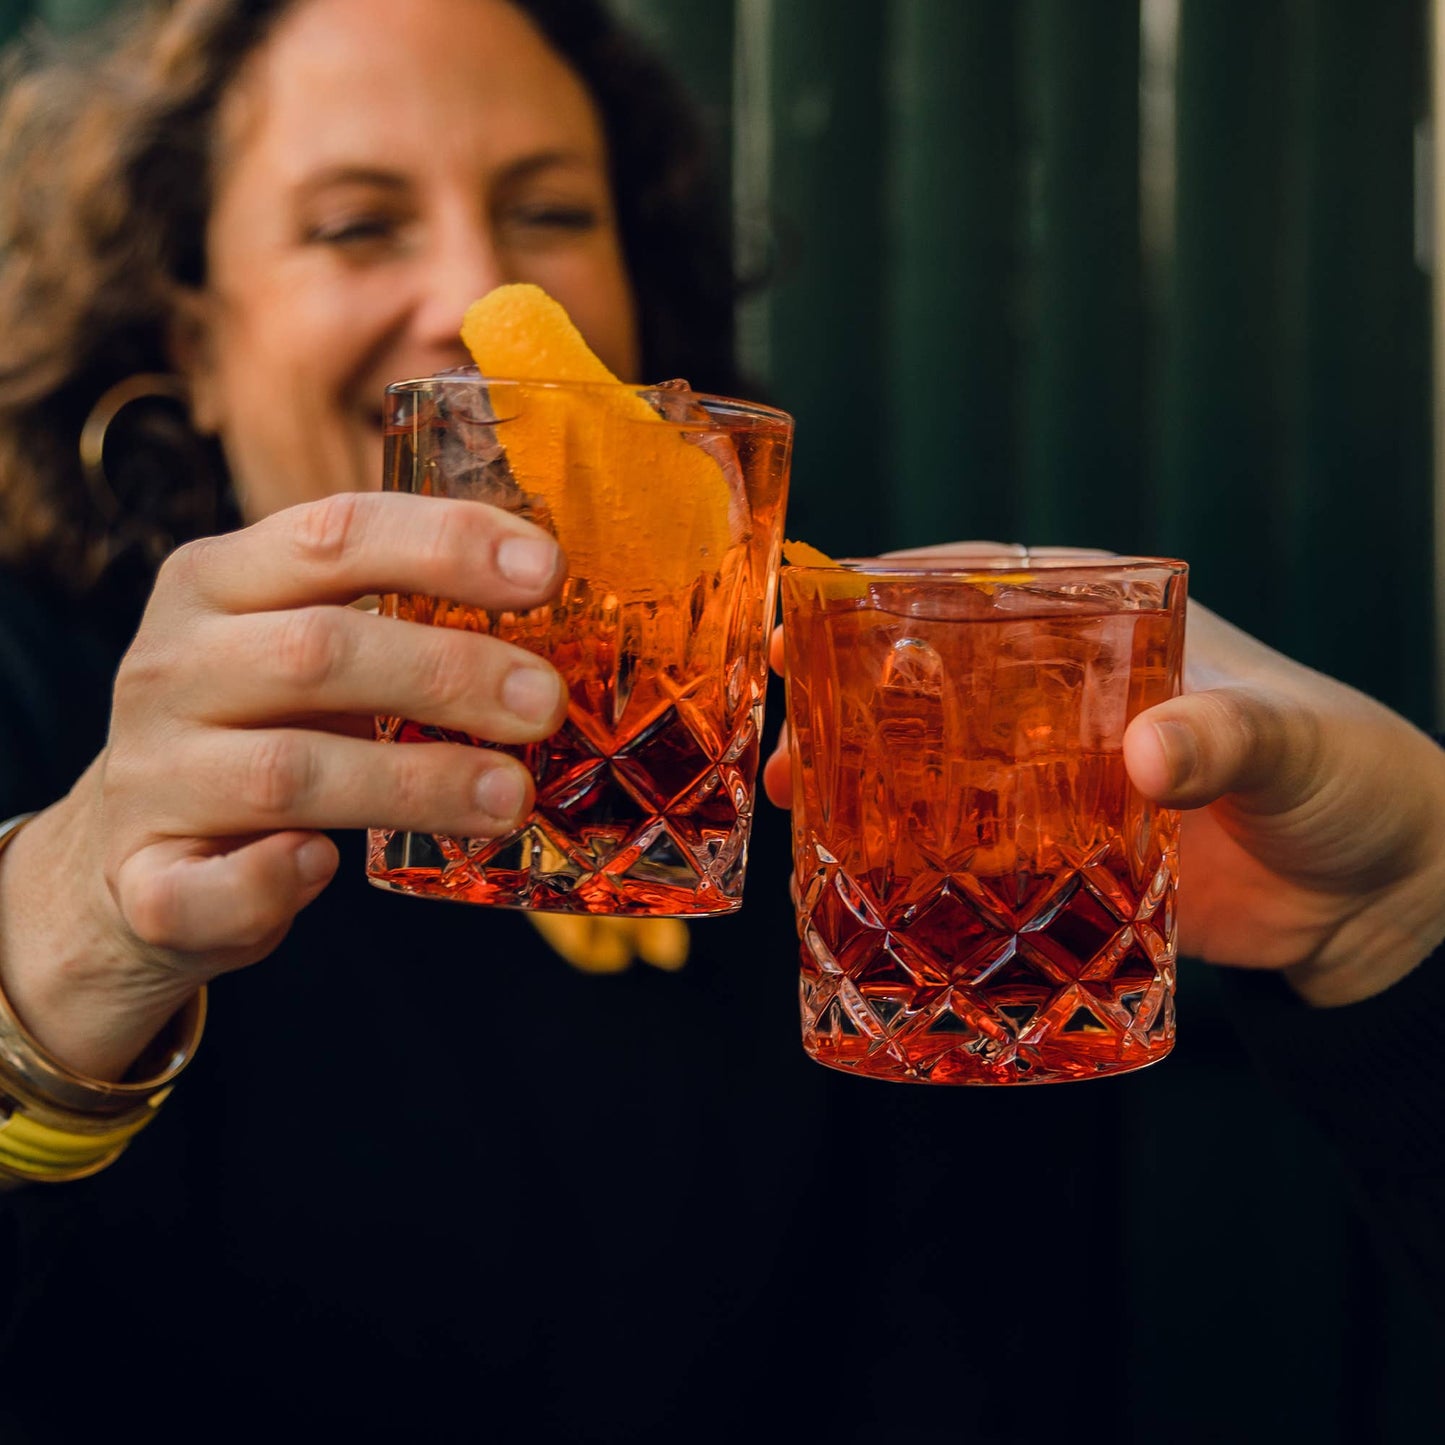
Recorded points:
(421, 1180)
(581, 162)
(346, 241)
(287, 206)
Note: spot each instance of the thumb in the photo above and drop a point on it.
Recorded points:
(190, 896)
(1195, 749)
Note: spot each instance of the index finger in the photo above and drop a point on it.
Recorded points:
(346, 546)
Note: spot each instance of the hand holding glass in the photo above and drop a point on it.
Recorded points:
(644, 797)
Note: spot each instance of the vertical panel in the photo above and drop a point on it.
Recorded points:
(1235, 328)
(1358, 530)
(953, 280)
(1082, 418)
(752, 181)
(1015, 333)
(1233, 394)
(1297, 447)
(825, 309)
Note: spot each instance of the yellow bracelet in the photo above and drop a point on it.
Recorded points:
(57, 1124)
(38, 1153)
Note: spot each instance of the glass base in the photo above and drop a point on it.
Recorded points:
(961, 1067)
(518, 873)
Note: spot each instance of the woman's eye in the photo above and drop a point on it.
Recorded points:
(556, 217)
(355, 232)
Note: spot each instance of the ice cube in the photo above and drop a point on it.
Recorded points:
(918, 731)
(469, 460)
(672, 400)
(1104, 709)
(913, 665)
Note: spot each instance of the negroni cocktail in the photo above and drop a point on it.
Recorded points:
(983, 896)
(669, 505)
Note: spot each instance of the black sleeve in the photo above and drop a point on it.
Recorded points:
(1372, 1076)
(57, 666)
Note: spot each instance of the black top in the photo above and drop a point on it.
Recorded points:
(426, 1181)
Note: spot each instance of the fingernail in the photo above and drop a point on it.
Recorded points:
(1181, 751)
(527, 561)
(314, 861)
(501, 794)
(531, 693)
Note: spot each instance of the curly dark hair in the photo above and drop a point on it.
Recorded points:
(106, 155)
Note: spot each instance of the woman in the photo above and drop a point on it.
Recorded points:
(340, 245)
(422, 1180)
(525, 1175)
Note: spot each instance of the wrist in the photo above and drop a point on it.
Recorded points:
(87, 1000)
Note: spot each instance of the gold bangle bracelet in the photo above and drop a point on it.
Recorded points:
(58, 1124)
(36, 1076)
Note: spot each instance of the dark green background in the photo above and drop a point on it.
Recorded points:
(975, 342)
(974, 345)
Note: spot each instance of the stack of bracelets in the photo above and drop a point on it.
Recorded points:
(56, 1124)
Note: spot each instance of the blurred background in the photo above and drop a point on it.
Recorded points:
(1148, 275)
(1135, 274)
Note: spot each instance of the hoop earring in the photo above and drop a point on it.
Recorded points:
(112, 402)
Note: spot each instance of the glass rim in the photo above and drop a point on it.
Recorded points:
(941, 566)
(472, 375)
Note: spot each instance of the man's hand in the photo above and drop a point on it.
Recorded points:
(1314, 831)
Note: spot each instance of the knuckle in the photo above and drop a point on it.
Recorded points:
(156, 662)
(306, 648)
(448, 535)
(1232, 718)
(447, 666)
(1297, 742)
(1258, 729)
(1272, 739)
(412, 784)
(276, 774)
(153, 908)
(183, 569)
(125, 775)
(326, 530)
(143, 671)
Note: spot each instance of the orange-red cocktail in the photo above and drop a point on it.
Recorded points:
(669, 505)
(983, 896)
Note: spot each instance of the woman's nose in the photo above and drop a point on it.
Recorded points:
(464, 265)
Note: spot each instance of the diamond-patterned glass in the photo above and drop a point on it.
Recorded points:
(644, 796)
(983, 897)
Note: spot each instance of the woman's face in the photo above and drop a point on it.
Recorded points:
(382, 164)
